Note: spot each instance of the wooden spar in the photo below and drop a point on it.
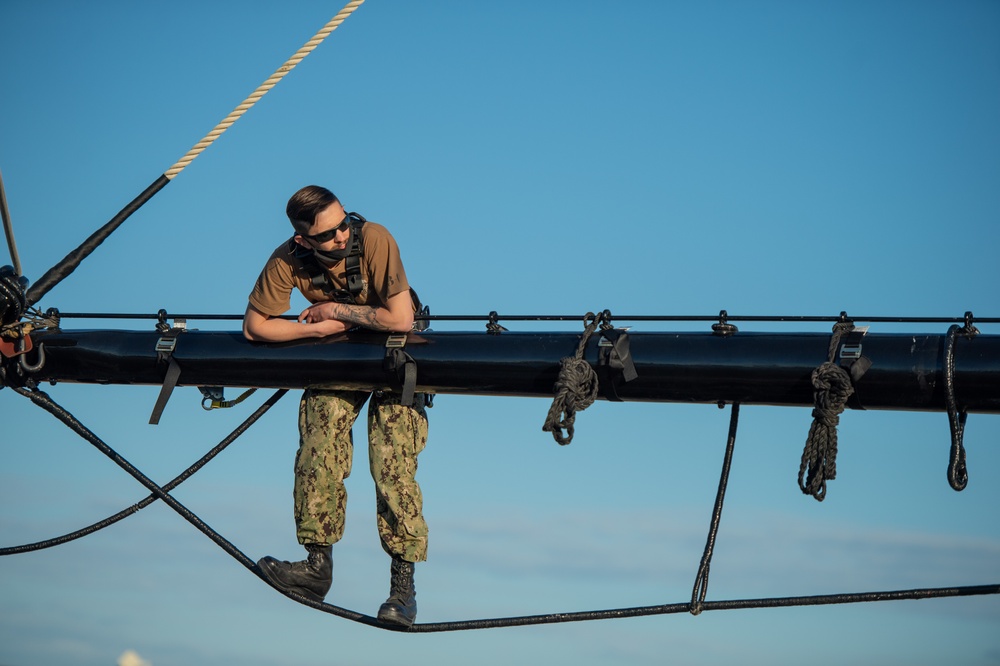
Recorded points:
(907, 371)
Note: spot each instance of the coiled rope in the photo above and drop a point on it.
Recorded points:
(958, 473)
(576, 386)
(832, 389)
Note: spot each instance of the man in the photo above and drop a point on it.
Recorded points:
(317, 262)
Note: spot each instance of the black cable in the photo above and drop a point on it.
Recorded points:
(701, 580)
(60, 271)
(45, 402)
(958, 474)
(8, 229)
(178, 480)
(736, 604)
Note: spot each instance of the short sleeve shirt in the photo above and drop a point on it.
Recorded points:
(381, 272)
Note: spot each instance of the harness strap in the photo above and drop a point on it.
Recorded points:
(318, 276)
(352, 264)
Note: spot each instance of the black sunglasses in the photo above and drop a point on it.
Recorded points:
(324, 236)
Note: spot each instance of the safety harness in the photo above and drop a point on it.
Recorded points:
(398, 365)
(319, 277)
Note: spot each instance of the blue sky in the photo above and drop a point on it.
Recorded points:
(767, 158)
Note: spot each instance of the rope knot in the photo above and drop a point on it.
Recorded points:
(576, 387)
(833, 387)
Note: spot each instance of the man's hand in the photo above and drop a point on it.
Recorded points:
(396, 316)
(321, 312)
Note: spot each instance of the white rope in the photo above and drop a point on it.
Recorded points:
(263, 88)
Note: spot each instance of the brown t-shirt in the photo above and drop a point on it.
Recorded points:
(381, 271)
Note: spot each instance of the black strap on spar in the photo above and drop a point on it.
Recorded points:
(165, 347)
(400, 367)
(849, 356)
(614, 358)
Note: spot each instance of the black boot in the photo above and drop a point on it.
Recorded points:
(311, 577)
(401, 606)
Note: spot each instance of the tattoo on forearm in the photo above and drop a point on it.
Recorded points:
(362, 315)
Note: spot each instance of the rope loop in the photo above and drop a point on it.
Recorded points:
(832, 387)
(576, 387)
(958, 473)
(701, 580)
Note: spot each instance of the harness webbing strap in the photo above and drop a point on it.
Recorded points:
(318, 275)
(352, 264)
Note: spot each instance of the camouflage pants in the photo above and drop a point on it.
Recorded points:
(396, 435)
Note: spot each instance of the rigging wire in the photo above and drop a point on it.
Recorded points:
(701, 580)
(60, 271)
(958, 474)
(176, 481)
(493, 317)
(8, 229)
(697, 605)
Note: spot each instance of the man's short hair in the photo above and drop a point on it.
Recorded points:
(306, 204)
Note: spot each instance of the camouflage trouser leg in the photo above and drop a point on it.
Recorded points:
(323, 462)
(396, 435)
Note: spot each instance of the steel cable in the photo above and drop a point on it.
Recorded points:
(41, 399)
(178, 480)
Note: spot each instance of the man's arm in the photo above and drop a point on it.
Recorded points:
(395, 317)
(329, 318)
(260, 327)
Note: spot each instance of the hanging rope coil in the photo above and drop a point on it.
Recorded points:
(833, 387)
(958, 474)
(576, 387)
